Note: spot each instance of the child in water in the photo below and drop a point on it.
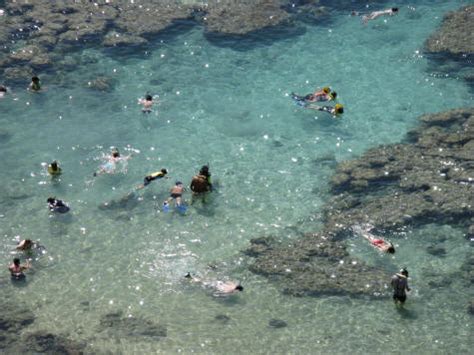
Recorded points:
(147, 103)
(35, 84)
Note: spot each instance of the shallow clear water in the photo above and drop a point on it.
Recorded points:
(271, 161)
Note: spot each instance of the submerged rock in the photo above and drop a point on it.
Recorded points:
(456, 35)
(318, 265)
(427, 180)
(102, 83)
(470, 308)
(241, 17)
(14, 318)
(45, 342)
(277, 323)
(131, 326)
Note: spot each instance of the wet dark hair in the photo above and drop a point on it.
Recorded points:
(115, 153)
(239, 287)
(404, 272)
(54, 165)
(148, 97)
(339, 110)
(391, 249)
(334, 94)
(205, 171)
(50, 200)
(394, 9)
(35, 79)
(164, 171)
(16, 261)
(3, 88)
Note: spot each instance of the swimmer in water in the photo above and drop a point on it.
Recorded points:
(54, 169)
(378, 243)
(35, 84)
(221, 288)
(3, 91)
(146, 103)
(110, 165)
(335, 111)
(176, 195)
(28, 247)
(149, 178)
(373, 15)
(56, 205)
(16, 269)
(325, 94)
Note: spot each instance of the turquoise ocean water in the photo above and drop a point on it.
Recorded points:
(226, 104)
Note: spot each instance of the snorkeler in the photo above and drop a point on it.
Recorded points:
(54, 169)
(35, 84)
(325, 94)
(221, 288)
(147, 103)
(335, 111)
(16, 269)
(380, 244)
(176, 196)
(373, 15)
(149, 178)
(28, 247)
(110, 165)
(56, 205)
(399, 283)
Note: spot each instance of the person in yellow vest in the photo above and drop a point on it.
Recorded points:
(149, 178)
(54, 169)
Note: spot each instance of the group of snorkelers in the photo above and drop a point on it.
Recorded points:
(201, 184)
(323, 95)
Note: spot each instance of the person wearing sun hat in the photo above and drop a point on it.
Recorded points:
(399, 283)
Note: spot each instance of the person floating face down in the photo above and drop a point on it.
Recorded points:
(373, 15)
(325, 94)
(220, 288)
(201, 182)
(335, 110)
(399, 284)
(154, 176)
(378, 243)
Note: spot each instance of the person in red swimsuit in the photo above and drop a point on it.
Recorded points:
(380, 244)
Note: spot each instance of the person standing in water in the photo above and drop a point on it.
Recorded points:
(201, 183)
(399, 283)
(146, 103)
(16, 269)
(35, 84)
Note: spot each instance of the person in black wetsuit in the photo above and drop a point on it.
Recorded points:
(399, 283)
(56, 205)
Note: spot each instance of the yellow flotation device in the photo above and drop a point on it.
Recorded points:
(52, 171)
